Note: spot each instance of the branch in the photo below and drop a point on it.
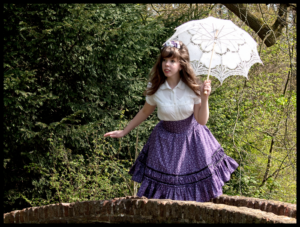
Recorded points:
(268, 165)
(263, 30)
(154, 9)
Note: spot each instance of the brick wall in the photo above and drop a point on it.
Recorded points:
(224, 209)
(276, 207)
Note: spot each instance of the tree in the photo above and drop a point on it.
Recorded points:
(70, 72)
(268, 33)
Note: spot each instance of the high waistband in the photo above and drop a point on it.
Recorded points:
(181, 126)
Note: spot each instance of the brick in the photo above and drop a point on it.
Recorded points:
(294, 213)
(36, 214)
(214, 200)
(168, 210)
(269, 207)
(105, 208)
(189, 211)
(128, 219)
(93, 206)
(243, 202)
(92, 219)
(257, 204)
(231, 201)
(275, 208)
(264, 219)
(103, 219)
(162, 209)
(216, 215)
(97, 208)
(25, 215)
(209, 214)
(288, 220)
(125, 219)
(221, 199)
(63, 210)
(151, 209)
(240, 217)
(116, 219)
(238, 202)
(76, 209)
(21, 216)
(287, 211)
(71, 212)
(17, 217)
(31, 218)
(81, 208)
(60, 213)
(41, 215)
(140, 220)
(55, 210)
(249, 218)
(129, 205)
(112, 205)
(199, 213)
(57, 220)
(8, 218)
(51, 212)
(224, 216)
(277, 220)
(263, 205)
(46, 211)
(154, 220)
(115, 207)
(86, 208)
(119, 207)
(281, 209)
(250, 203)
(176, 210)
(139, 205)
(257, 218)
(231, 216)
(226, 200)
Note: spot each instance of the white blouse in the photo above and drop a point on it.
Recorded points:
(173, 104)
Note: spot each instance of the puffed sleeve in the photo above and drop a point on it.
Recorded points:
(150, 98)
(197, 100)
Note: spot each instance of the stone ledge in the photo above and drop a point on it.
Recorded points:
(276, 207)
(143, 210)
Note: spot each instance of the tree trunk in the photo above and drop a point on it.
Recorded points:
(268, 164)
(265, 32)
(135, 184)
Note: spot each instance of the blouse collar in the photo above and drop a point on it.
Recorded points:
(165, 85)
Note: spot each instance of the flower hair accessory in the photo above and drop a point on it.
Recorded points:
(171, 44)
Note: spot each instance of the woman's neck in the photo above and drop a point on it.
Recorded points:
(173, 81)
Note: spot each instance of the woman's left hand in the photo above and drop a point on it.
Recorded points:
(205, 87)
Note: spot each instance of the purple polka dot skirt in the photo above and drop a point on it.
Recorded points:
(182, 160)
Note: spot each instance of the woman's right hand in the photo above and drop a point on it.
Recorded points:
(115, 134)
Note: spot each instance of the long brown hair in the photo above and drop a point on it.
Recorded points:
(187, 74)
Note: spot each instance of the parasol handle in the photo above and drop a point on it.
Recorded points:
(205, 92)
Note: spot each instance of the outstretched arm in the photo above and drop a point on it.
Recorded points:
(138, 119)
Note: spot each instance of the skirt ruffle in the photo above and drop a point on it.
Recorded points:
(182, 177)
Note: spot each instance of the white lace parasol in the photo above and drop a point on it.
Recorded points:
(218, 47)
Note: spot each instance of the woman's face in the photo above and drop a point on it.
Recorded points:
(171, 66)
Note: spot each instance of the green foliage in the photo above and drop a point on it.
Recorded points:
(70, 72)
(68, 67)
(75, 71)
